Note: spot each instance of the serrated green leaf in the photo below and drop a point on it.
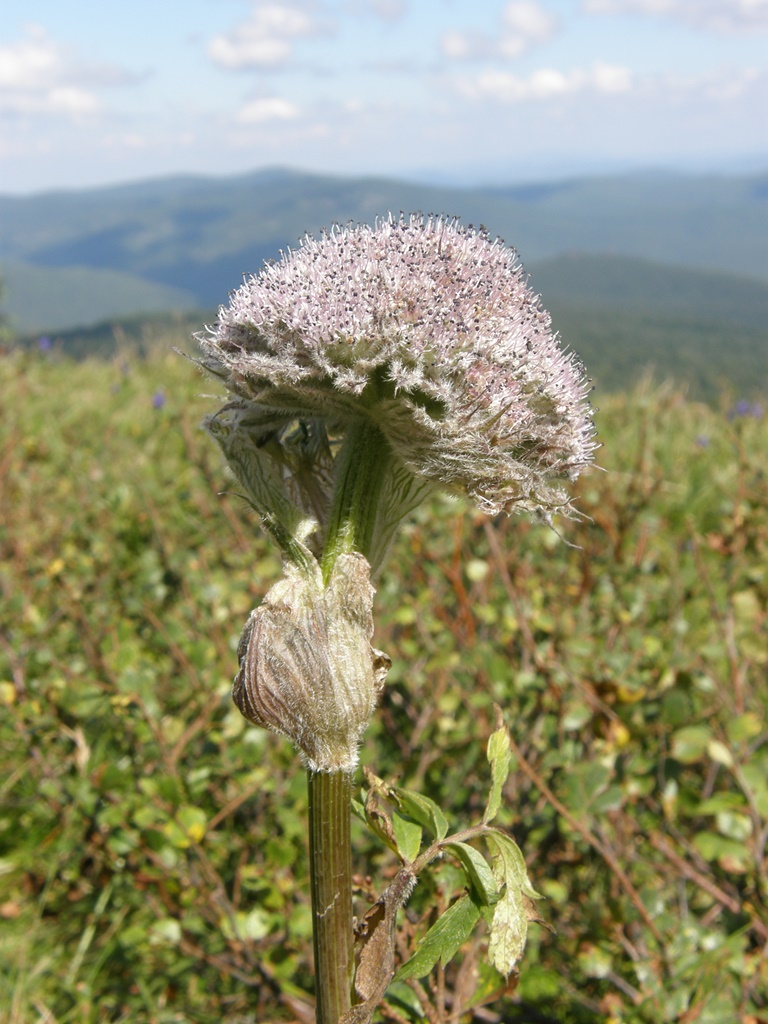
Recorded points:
(422, 809)
(479, 874)
(498, 757)
(443, 939)
(408, 837)
(509, 930)
(509, 927)
(509, 864)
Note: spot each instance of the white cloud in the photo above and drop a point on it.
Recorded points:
(272, 108)
(388, 10)
(265, 40)
(465, 45)
(524, 24)
(40, 76)
(546, 83)
(710, 15)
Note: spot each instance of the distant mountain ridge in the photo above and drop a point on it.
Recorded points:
(656, 269)
(201, 234)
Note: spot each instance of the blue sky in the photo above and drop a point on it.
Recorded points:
(441, 90)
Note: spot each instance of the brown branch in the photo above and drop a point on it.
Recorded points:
(658, 842)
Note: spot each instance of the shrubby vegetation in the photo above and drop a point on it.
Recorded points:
(153, 862)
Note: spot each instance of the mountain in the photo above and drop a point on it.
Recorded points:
(637, 270)
(201, 234)
(629, 284)
(49, 299)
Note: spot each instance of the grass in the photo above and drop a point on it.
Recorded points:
(152, 845)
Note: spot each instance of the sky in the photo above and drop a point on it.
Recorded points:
(444, 91)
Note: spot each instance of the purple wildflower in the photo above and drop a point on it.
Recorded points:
(744, 408)
(158, 400)
(428, 331)
(44, 343)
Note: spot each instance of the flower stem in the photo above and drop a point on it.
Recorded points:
(360, 477)
(330, 796)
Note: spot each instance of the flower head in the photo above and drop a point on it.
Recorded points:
(430, 333)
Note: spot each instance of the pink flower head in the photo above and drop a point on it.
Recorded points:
(430, 332)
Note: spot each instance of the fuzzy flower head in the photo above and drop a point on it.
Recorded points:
(429, 332)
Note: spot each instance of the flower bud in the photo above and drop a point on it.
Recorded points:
(307, 668)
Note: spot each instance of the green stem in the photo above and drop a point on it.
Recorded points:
(330, 854)
(362, 465)
(362, 470)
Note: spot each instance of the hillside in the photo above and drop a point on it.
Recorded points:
(623, 316)
(153, 845)
(45, 299)
(202, 234)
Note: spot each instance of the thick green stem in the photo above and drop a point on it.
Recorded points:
(362, 465)
(330, 796)
(360, 477)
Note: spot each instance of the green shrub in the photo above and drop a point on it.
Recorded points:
(152, 847)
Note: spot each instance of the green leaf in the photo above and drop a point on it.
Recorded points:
(165, 931)
(690, 743)
(422, 809)
(583, 783)
(509, 927)
(408, 837)
(721, 802)
(744, 727)
(443, 939)
(403, 997)
(509, 930)
(498, 757)
(713, 847)
(509, 864)
(733, 825)
(194, 822)
(479, 874)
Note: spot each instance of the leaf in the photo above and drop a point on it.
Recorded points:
(509, 930)
(408, 837)
(443, 939)
(187, 828)
(401, 494)
(378, 821)
(720, 753)
(194, 822)
(583, 783)
(247, 441)
(744, 727)
(422, 809)
(498, 756)
(511, 914)
(690, 743)
(509, 864)
(478, 873)
(376, 960)
(713, 847)
(403, 997)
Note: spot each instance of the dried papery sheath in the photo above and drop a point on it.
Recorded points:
(428, 332)
(307, 668)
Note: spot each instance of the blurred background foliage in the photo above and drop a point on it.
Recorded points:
(152, 845)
